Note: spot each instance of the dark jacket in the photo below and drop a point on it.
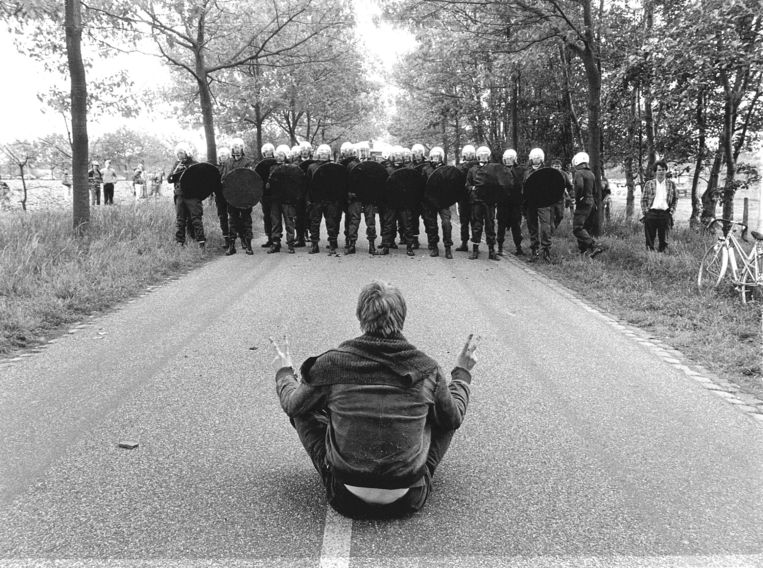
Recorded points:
(584, 184)
(383, 397)
(233, 164)
(177, 171)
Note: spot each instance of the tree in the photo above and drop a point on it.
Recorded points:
(36, 24)
(20, 154)
(203, 38)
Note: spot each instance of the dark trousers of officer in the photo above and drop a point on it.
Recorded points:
(464, 218)
(303, 222)
(240, 224)
(539, 226)
(222, 215)
(509, 216)
(389, 219)
(329, 210)
(282, 214)
(352, 221)
(188, 209)
(557, 214)
(430, 225)
(108, 194)
(267, 224)
(581, 221)
(657, 224)
(483, 214)
(369, 215)
(414, 223)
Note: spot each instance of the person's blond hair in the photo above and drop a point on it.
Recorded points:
(381, 309)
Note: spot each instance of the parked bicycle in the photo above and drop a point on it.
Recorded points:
(729, 261)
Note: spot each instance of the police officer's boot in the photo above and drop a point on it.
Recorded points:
(409, 250)
(231, 247)
(351, 248)
(491, 252)
(463, 247)
(448, 253)
(314, 249)
(267, 244)
(275, 247)
(332, 247)
(226, 246)
(300, 241)
(416, 243)
(434, 250)
(248, 246)
(291, 247)
(371, 247)
(475, 252)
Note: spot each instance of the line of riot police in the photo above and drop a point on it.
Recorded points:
(300, 189)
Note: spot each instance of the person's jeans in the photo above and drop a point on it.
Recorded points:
(657, 223)
(311, 429)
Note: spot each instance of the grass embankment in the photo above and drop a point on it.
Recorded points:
(49, 279)
(658, 293)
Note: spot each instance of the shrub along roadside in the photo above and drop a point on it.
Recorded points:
(658, 293)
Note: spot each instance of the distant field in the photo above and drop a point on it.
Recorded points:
(51, 194)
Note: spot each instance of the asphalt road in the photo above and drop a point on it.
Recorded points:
(583, 446)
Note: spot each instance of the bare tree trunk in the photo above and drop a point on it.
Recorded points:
(729, 187)
(444, 134)
(258, 128)
(630, 187)
(647, 90)
(710, 197)
(590, 57)
(205, 95)
(696, 203)
(457, 137)
(80, 192)
(515, 110)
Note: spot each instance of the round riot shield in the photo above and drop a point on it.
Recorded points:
(445, 186)
(200, 180)
(328, 183)
(288, 183)
(263, 168)
(368, 180)
(544, 187)
(242, 188)
(405, 189)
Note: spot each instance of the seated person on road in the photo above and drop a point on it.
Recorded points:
(375, 414)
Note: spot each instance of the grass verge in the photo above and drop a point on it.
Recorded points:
(658, 293)
(49, 278)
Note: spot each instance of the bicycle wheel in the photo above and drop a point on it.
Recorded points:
(751, 286)
(712, 269)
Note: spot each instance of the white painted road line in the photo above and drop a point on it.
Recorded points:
(337, 538)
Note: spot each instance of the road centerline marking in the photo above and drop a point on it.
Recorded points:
(337, 538)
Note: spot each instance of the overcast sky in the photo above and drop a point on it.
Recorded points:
(23, 116)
